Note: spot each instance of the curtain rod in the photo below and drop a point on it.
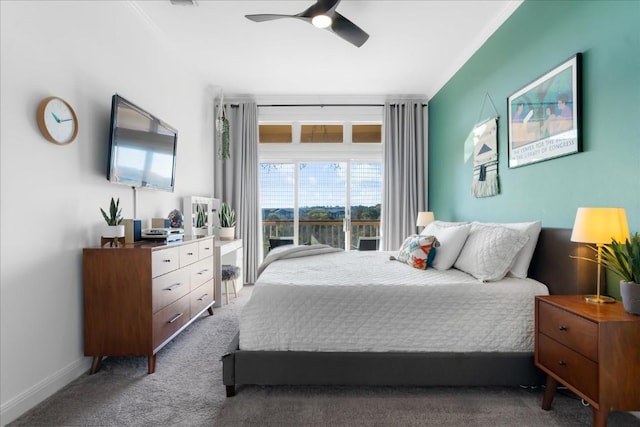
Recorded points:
(318, 105)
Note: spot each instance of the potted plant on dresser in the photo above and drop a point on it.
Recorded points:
(201, 228)
(227, 218)
(623, 259)
(114, 228)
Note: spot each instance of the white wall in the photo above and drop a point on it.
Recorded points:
(84, 52)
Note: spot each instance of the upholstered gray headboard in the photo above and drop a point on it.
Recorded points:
(553, 265)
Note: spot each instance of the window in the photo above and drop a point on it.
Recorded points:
(275, 133)
(325, 185)
(321, 133)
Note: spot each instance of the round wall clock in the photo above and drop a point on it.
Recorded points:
(57, 120)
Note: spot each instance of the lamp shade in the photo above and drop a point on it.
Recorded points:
(600, 225)
(424, 218)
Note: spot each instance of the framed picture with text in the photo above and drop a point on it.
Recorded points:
(544, 117)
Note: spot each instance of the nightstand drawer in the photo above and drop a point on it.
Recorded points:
(571, 367)
(569, 329)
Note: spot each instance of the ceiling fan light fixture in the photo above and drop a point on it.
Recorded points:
(321, 21)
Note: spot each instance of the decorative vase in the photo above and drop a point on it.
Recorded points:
(111, 231)
(227, 233)
(630, 293)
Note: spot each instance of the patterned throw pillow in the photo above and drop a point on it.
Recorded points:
(418, 251)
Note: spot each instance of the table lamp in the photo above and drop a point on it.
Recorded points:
(424, 219)
(600, 226)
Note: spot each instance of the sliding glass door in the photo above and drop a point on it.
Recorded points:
(332, 203)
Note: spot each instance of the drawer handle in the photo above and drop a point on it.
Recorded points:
(207, 248)
(202, 297)
(563, 328)
(562, 363)
(176, 317)
(201, 272)
(190, 253)
(166, 260)
(172, 287)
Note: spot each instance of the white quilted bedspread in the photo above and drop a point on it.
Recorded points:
(362, 301)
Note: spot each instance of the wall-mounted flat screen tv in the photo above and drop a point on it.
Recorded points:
(142, 148)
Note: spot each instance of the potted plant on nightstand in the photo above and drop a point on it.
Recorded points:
(623, 259)
(114, 228)
(227, 218)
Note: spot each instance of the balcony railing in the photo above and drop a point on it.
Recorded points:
(328, 231)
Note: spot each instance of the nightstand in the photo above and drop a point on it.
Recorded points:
(592, 349)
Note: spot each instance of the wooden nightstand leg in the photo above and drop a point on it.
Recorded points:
(600, 418)
(549, 392)
(151, 364)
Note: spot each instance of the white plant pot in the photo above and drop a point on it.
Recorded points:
(227, 233)
(111, 231)
(201, 231)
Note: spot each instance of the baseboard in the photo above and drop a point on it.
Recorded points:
(29, 398)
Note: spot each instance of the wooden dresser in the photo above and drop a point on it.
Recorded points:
(138, 297)
(592, 349)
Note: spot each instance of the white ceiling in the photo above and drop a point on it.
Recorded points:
(414, 46)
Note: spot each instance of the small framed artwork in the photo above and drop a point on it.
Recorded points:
(544, 117)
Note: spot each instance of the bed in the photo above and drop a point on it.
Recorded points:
(287, 339)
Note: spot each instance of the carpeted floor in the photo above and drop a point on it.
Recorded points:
(187, 390)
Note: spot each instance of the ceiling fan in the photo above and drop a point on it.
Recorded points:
(323, 15)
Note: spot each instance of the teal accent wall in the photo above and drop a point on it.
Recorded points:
(539, 36)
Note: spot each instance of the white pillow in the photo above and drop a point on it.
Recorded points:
(523, 259)
(451, 238)
(447, 224)
(490, 251)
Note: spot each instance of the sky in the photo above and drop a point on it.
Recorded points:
(321, 184)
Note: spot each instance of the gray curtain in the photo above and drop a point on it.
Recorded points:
(236, 180)
(404, 184)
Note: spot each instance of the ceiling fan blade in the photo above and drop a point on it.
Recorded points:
(262, 17)
(349, 31)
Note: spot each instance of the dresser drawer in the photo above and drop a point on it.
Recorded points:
(169, 287)
(201, 272)
(188, 254)
(201, 297)
(164, 261)
(205, 248)
(167, 321)
(569, 329)
(572, 367)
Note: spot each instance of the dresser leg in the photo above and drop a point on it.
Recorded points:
(600, 418)
(210, 310)
(95, 364)
(549, 392)
(151, 364)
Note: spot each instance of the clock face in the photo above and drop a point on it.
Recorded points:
(57, 120)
